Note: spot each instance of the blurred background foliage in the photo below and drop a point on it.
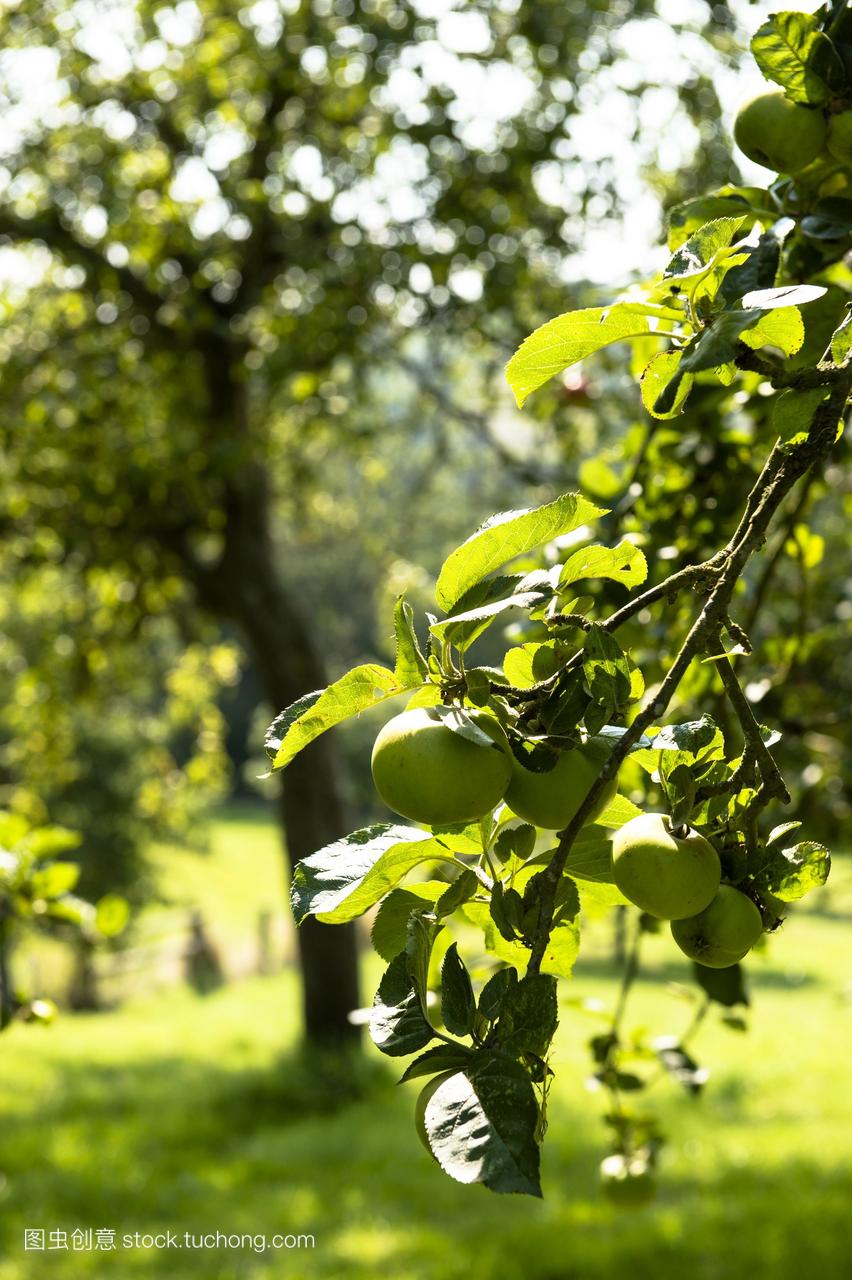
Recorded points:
(261, 267)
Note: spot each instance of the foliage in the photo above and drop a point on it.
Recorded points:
(748, 293)
(36, 884)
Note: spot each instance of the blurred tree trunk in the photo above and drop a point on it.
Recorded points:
(246, 587)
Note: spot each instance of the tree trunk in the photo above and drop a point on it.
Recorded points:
(245, 586)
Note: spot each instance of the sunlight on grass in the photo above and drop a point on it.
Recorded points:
(196, 1115)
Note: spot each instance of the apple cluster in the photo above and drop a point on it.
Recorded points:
(440, 765)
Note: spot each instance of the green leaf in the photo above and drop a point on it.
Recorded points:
(344, 879)
(54, 880)
(723, 986)
(481, 1125)
(410, 668)
(562, 950)
(759, 271)
(397, 1023)
(662, 388)
(697, 253)
(277, 731)
(680, 1065)
(528, 663)
(112, 913)
(458, 1006)
(680, 787)
(618, 811)
(791, 873)
(457, 894)
(794, 412)
(506, 536)
(750, 203)
(495, 991)
(605, 668)
(828, 219)
(529, 1015)
(452, 629)
(47, 842)
(390, 927)
(442, 1057)
(625, 564)
(513, 953)
(567, 339)
(841, 340)
(791, 50)
(422, 931)
(360, 688)
(783, 329)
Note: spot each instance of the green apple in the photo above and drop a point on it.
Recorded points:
(779, 134)
(441, 765)
(723, 932)
(627, 1182)
(551, 799)
(666, 874)
(424, 1097)
(839, 140)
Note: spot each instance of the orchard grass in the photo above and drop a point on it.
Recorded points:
(189, 1114)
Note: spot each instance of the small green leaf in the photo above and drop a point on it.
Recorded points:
(397, 1023)
(529, 1016)
(841, 340)
(783, 329)
(360, 688)
(443, 1057)
(791, 50)
(794, 412)
(390, 927)
(346, 878)
(458, 1005)
(723, 986)
(680, 1065)
(457, 894)
(663, 387)
(112, 913)
(494, 993)
(410, 669)
(625, 564)
(791, 873)
(422, 931)
(697, 253)
(605, 669)
(54, 879)
(567, 339)
(528, 663)
(506, 536)
(481, 1125)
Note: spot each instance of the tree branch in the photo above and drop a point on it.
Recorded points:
(769, 770)
(780, 473)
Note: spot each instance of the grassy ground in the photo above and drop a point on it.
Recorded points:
(195, 1114)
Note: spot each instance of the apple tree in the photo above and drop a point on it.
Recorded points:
(507, 773)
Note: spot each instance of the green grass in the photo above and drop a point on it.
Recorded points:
(196, 1114)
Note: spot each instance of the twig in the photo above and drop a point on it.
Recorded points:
(769, 771)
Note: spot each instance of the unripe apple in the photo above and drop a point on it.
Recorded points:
(723, 932)
(839, 139)
(424, 1097)
(430, 773)
(551, 799)
(670, 876)
(779, 134)
(627, 1182)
